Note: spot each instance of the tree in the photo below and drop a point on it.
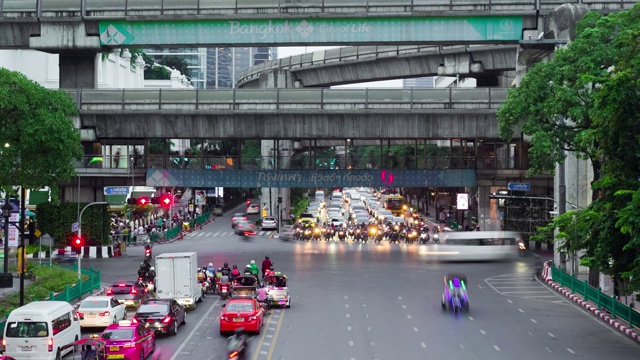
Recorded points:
(177, 63)
(594, 85)
(38, 138)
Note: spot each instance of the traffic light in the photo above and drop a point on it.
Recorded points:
(279, 199)
(77, 242)
(143, 201)
(132, 201)
(166, 200)
(248, 202)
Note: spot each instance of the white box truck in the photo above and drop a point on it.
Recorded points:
(176, 277)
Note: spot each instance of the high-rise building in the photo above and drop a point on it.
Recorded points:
(196, 61)
(224, 64)
(423, 82)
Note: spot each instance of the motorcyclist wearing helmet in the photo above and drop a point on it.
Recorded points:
(151, 274)
(235, 272)
(247, 270)
(226, 270)
(254, 268)
(142, 272)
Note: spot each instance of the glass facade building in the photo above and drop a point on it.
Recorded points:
(196, 59)
(224, 64)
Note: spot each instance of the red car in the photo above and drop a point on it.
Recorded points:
(241, 313)
(126, 340)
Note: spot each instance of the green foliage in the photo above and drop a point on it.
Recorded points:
(177, 63)
(42, 140)
(48, 280)
(56, 220)
(296, 195)
(138, 209)
(34, 248)
(299, 207)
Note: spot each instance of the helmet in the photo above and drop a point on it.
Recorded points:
(226, 264)
(247, 267)
(253, 262)
(210, 264)
(235, 266)
(266, 258)
(219, 269)
(152, 268)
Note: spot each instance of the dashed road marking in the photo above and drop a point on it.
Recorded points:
(399, 297)
(483, 332)
(571, 351)
(496, 347)
(348, 328)
(521, 310)
(408, 316)
(510, 302)
(423, 345)
(549, 350)
(348, 315)
(471, 318)
(350, 342)
(415, 329)
(346, 306)
(533, 321)
(550, 334)
(404, 306)
(369, 328)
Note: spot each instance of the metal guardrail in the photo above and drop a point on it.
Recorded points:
(602, 300)
(76, 10)
(71, 293)
(293, 100)
(359, 53)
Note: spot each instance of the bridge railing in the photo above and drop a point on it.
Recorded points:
(303, 161)
(118, 9)
(270, 100)
(352, 53)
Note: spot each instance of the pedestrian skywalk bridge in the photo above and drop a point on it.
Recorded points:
(523, 285)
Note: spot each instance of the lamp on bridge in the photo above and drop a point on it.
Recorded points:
(6, 278)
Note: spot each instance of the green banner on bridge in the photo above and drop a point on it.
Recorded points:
(312, 31)
(310, 178)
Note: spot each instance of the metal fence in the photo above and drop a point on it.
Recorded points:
(602, 300)
(74, 292)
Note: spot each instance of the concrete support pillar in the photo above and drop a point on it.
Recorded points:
(489, 217)
(277, 78)
(77, 70)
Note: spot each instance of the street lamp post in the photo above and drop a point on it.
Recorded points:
(6, 213)
(80, 234)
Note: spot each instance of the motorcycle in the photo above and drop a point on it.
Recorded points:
(147, 254)
(351, 232)
(224, 291)
(522, 249)
(236, 347)
(306, 235)
(424, 236)
(317, 234)
(412, 236)
(342, 235)
(297, 234)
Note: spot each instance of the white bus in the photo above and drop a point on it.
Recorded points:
(474, 246)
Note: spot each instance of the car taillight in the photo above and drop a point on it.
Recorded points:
(129, 345)
(167, 319)
(106, 313)
(122, 285)
(244, 218)
(224, 318)
(80, 314)
(135, 321)
(50, 345)
(233, 355)
(109, 292)
(4, 343)
(134, 291)
(251, 318)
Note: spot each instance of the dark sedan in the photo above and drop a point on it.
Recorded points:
(129, 293)
(161, 315)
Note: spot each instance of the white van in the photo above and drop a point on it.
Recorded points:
(319, 196)
(39, 329)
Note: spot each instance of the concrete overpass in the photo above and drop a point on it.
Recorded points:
(291, 113)
(349, 65)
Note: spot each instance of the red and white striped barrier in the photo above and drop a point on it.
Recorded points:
(546, 275)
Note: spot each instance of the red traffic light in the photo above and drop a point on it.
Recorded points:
(166, 200)
(77, 241)
(143, 201)
(248, 202)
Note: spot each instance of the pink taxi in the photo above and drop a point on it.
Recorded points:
(128, 341)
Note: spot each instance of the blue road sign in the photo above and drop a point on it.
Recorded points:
(74, 227)
(519, 186)
(116, 190)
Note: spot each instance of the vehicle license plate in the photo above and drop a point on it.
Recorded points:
(27, 348)
(91, 315)
(238, 319)
(114, 348)
(282, 301)
(117, 356)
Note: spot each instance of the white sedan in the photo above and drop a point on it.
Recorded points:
(101, 311)
(269, 222)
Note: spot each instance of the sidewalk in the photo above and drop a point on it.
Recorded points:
(16, 287)
(618, 323)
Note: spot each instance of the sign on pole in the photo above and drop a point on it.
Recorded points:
(13, 230)
(462, 202)
(74, 227)
(519, 186)
(116, 190)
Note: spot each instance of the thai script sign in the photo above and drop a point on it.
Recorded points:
(310, 178)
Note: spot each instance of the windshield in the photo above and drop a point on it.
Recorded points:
(27, 329)
(153, 308)
(118, 334)
(94, 304)
(240, 307)
(394, 204)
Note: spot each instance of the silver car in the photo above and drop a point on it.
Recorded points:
(269, 223)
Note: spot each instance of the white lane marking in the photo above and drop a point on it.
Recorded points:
(264, 352)
(549, 350)
(525, 292)
(404, 306)
(348, 328)
(530, 333)
(415, 329)
(276, 316)
(483, 332)
(517, 287)
(348, 315)
(346, 306)
(269, 335)
(369, 328)
(266, 344)
(350, 343)
(372, 343)
(272, 328)
(193, 331)
(408, 316)
(496, 347)
(571, 351)
(423, 345)
(399, 297)
(521, 310)
(510, 302)
(461, 346)
(550, 334)
(471, 318)
(364, 305)
(533, 321)
(346, 297)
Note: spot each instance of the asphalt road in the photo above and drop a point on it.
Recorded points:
(355, 301)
